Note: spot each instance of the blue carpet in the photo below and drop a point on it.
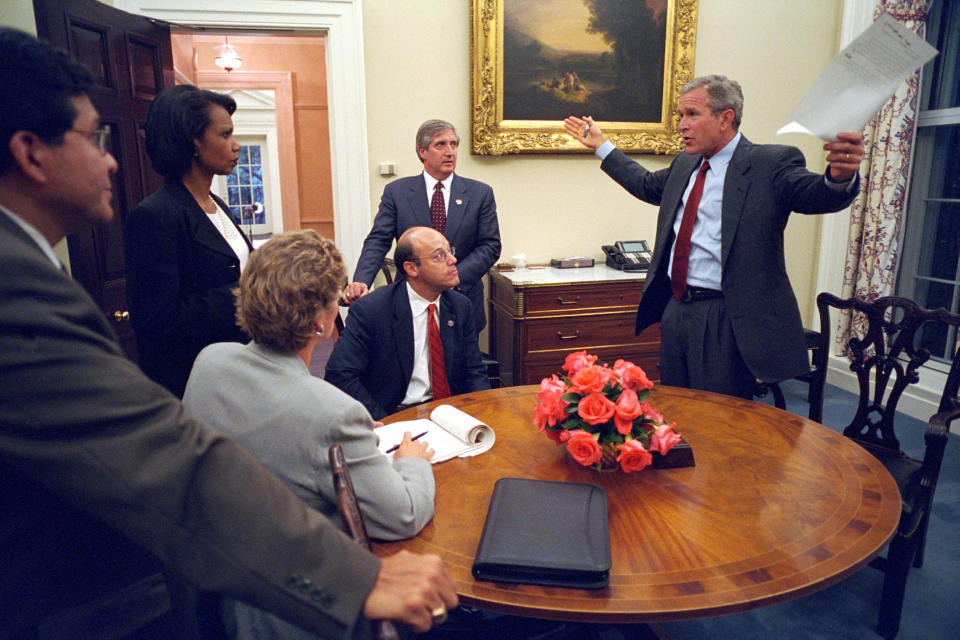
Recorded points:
(849, 609)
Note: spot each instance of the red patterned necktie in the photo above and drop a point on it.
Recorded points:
(681, 250)
(438, 370)
(438, 213)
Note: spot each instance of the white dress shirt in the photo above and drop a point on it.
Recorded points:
(420, 388)
(221, 221)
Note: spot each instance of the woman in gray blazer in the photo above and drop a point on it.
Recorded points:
(262, 395)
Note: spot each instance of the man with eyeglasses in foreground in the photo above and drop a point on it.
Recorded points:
(385, 358)
(101, 472)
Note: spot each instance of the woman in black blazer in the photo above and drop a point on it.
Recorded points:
(184, 251)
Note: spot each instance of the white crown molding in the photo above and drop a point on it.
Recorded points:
(342, 22)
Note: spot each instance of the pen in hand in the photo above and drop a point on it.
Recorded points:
(397, 446)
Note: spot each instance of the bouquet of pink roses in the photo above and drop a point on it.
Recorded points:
(597, 409)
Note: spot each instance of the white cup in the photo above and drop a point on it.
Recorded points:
(520, 261)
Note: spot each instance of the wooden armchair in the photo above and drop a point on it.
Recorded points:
(387, 275)
(886, 361)
(349, 510)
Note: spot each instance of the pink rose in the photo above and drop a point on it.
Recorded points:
(628, 408)
(543, 416)
(576, 361)
(596, 408)
(550, 386)
(663, 438)
(550, 408)
(631, 376)
(558, 435)
(583, 448)
(633, 457)
(650, 413)
(590, 379)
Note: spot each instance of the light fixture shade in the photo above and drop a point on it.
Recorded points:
(228, 57)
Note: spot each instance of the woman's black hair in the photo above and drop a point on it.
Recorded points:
(177, 116)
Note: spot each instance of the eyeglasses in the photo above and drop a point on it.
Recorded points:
(99, 137)
(440, 256)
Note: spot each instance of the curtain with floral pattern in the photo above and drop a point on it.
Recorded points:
(876, 216)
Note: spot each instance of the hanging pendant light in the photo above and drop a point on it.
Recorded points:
(228, 58)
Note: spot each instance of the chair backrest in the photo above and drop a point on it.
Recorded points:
(385, 268)
(387, 275)
(353, 520)
(888, 353)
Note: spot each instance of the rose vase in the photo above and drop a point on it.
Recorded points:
(608, 458)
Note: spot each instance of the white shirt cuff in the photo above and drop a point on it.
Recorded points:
(604, 150)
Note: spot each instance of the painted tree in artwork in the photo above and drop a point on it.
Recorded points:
(635, 34)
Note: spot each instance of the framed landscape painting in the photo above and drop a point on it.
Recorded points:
(622, 62)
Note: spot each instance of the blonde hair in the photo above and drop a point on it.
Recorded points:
(284, 287)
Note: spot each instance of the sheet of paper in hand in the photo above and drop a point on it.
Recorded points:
(857, 83)
(449, 432)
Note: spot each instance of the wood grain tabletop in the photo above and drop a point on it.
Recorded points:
(776, 507)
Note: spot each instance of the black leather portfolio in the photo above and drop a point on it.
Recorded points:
(544, 532)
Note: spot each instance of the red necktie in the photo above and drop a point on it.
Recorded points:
(438, 215)
(681, 250)
(438, 370)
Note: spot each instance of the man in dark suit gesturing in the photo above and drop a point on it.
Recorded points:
(385, 358)
(102, 474)
(718, 281)
(463, 210)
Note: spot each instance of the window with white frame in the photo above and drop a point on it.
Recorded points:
(930, 265)
(245, 189)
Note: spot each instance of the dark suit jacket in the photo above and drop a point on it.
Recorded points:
(180, 277)
(94, 456)
(373, 359)
(764, 183)
(472, 230)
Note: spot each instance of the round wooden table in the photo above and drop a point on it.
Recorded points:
(776, 507)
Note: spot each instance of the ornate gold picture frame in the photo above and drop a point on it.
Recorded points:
(537, 61)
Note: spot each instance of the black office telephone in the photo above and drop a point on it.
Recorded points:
(628, 255)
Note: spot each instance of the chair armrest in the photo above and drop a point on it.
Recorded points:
(936, 441)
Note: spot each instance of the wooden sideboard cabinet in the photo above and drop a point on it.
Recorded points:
(538, 316)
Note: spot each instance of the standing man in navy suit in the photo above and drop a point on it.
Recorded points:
(463, 210)
(383, 359)
(727, 311)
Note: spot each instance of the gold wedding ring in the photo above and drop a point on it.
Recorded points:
(438, 615)
(848, 157)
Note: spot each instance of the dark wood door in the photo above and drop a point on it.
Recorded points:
(131, 59)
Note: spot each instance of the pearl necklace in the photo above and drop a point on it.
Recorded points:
(226, 229)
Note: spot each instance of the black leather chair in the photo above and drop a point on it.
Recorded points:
(886, 360)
